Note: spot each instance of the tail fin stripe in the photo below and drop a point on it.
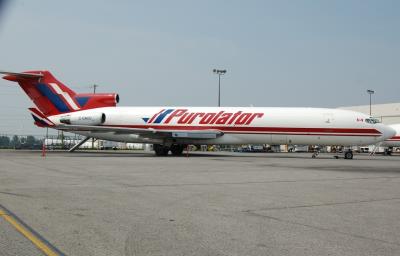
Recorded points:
(82, 100)
(65, 95)
(54, 98)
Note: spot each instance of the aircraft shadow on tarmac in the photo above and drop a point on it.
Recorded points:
(184, 155)
(324, 156)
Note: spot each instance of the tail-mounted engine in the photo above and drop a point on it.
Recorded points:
(78, 118)
(98, 100)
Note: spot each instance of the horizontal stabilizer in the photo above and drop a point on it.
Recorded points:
(40, 119)
(21, 75)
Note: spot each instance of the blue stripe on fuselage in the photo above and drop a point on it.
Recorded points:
(162, 115)
(54, 98)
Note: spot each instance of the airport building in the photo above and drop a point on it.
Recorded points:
(388, 113)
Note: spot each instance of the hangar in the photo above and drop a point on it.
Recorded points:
(388, 113)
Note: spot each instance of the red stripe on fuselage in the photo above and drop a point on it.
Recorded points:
(266, 130)
(395, 138)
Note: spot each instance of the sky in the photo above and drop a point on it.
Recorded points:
(277, 53)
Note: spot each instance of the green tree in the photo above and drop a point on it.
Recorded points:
(15, 142)
(4, 142)
(30, 141)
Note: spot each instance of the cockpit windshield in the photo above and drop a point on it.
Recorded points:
(372, 120)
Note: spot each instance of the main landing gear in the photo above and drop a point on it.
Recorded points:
(162, 150)
(177, 150)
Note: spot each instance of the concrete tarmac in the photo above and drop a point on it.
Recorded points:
(118, 203)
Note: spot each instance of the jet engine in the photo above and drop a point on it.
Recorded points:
(84, 119)
(98, 100)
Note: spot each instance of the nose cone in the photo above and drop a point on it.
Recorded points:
(387, 132)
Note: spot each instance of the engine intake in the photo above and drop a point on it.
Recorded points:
(84, 119)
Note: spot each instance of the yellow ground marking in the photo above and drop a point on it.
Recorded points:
(25, 232)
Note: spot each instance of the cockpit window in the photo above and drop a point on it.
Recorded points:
(372, 120)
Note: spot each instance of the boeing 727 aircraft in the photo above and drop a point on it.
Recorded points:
(170, 128)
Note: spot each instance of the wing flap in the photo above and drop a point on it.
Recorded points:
(196, 135)
(146, 132)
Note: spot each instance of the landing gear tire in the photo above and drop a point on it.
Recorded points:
(160, 150)
(177, 150)
(348, 155)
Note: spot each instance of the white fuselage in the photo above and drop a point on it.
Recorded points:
(241, 125)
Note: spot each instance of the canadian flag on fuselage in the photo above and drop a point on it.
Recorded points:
(52, 97)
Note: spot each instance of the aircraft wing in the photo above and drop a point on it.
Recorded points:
(145, 132)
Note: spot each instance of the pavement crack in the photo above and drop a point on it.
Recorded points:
(324, 204)
(14, 194)
(320, 228)
(253, 182)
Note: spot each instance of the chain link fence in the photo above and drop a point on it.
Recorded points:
(9, 141)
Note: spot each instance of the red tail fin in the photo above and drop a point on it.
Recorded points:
(52, 97)
(49, 95)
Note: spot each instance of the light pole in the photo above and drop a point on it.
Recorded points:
(94, 88)
(370, 92)
(219, 72)
(94, 92)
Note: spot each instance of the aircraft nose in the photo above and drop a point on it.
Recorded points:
(388, 132)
